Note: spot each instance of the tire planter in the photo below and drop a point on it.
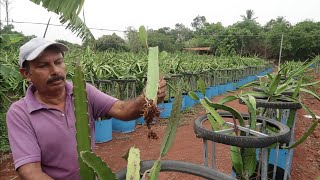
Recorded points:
(123, 126)
(284, 158)
(180, 166)
(283, 136)
(103, 131)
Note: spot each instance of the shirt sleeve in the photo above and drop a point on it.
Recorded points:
(100, 102)
(23, 142)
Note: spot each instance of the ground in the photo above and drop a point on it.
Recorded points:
(187, 147)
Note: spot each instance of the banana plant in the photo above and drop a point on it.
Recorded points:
(69, 13)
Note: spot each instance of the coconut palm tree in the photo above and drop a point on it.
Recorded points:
(249, 15)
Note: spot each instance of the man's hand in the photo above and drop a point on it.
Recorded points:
(162, 90)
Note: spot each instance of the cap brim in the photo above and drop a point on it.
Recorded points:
(40, 49)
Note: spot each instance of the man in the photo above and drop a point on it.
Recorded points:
(41, 126)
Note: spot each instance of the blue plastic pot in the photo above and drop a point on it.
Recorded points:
(284, 155)
(140, 120)
(208, 93)
(165, 109)
(189, 102)
(221, 89)
(123, 126)
(214, 90)
(103, 131)
(200, 95)
(228, 87)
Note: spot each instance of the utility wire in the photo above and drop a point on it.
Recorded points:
(60, 25)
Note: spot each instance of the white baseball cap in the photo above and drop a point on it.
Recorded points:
(33, 48)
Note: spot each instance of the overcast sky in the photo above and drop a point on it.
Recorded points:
(120, 14)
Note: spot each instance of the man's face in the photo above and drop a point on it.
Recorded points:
(47, 72)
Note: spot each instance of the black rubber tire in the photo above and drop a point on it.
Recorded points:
(263, 103)
(278, 105)
(180, 166)
(283, 136)
(284, 93)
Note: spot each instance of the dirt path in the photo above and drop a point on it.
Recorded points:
(306, 159)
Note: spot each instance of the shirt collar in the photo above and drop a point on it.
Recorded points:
(33, 104)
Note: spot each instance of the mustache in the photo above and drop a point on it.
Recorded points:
(55, 78)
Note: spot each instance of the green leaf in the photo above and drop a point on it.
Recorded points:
(249, 160)
(297, 89)
(82, 120)
(213, 122)
(227, 99)
(8, 72)
(250, 101)
(152, 74)
(143, 36)
(234, 112)
(282, 88)
(263, 86)
(193, 95)
(214, 114)
(202, 87)
(291, 118)
(9, 39)
(274, 84)
(256, 94)
(248, 85)
(154, 172)
(133, 166)
(102, 170)
(171, 129)
(310, 92)
(310, 84)
(236, 159)
(163, 55)
(309, 131)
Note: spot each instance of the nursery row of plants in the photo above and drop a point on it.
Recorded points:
(258, 141)
(112, 65)
(262, 146)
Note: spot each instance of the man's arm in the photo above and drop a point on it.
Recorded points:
(132, 109)
(32, 171)
(128, 110)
